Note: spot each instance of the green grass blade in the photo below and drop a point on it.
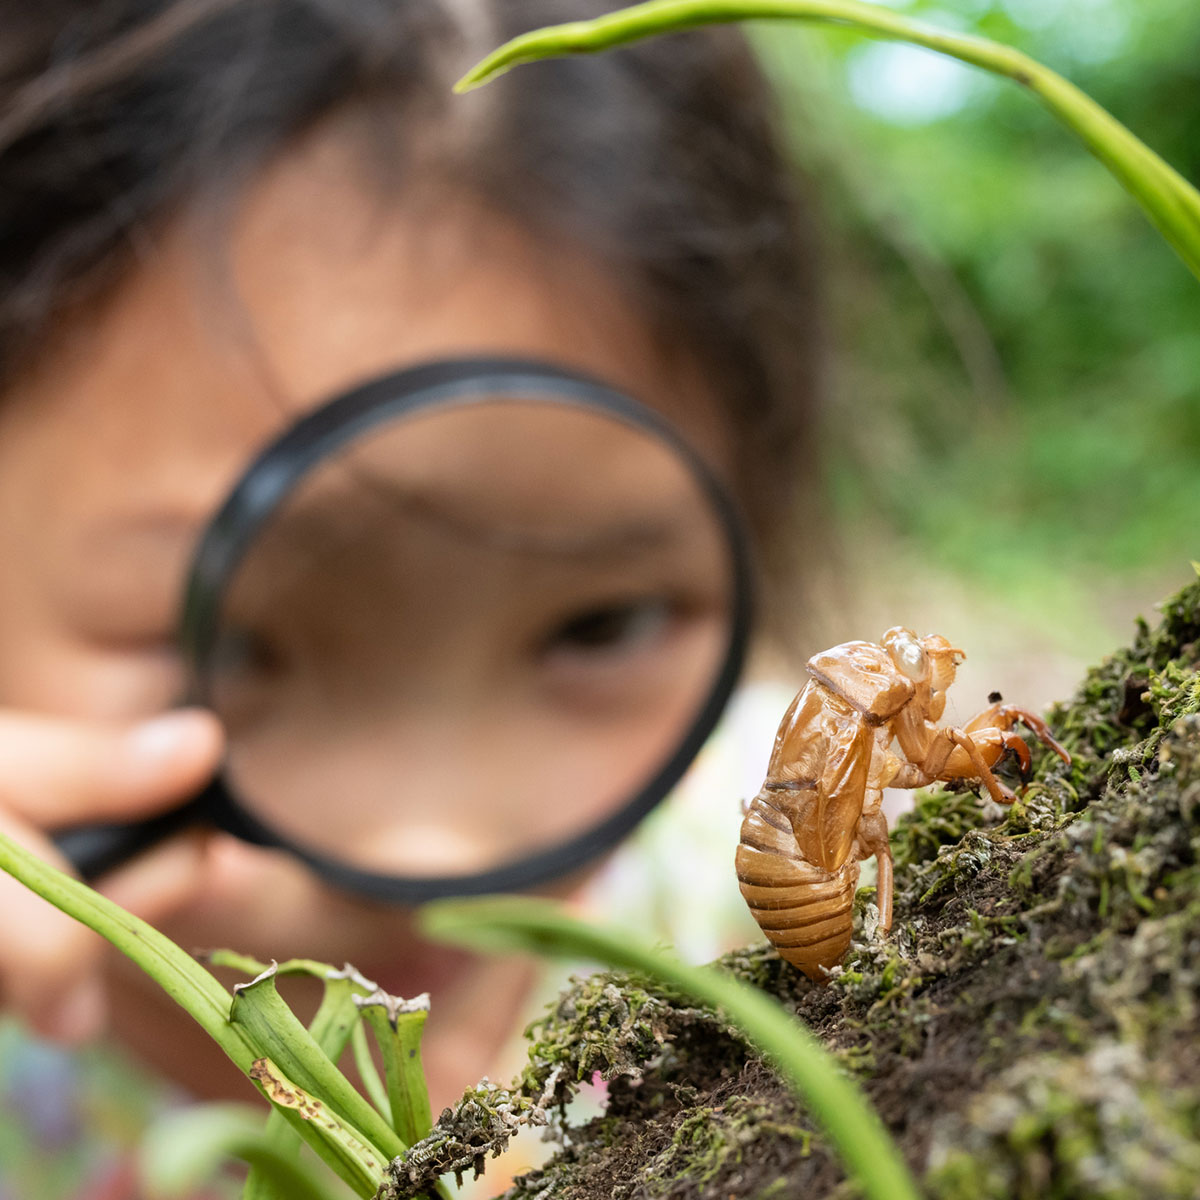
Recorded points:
(335, 1022)
(185, 1150)
(193, 988)
(518, 923)
(397, 1026)
(337, 1017)
(1169, 200)
(369, 1073)
(337, 1143)
(277, 1033)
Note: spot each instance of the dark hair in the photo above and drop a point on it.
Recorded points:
(662, 159)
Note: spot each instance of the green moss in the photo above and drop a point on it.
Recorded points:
(481, 1123)
(1058, 1127)
(712, 1139)
(605, 1025)
(1122, 707)
(937, 819)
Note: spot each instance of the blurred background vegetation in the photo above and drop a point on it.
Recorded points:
(1013, 443)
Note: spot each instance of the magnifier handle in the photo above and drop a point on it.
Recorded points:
(94, 849)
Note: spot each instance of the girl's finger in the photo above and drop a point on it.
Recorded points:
(56, 772)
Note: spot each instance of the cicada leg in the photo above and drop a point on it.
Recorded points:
(954, 754)
(1004, 716)
(871, 835)
(976, 765)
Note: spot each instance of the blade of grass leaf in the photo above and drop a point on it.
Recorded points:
(369, 1073)
(270, 1025)
(336, 1142)
(1168, 199)
(518, 923)
(193, 988)
(335, 1021)
(397, 1026)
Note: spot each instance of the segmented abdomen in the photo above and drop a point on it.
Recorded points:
(806, 913)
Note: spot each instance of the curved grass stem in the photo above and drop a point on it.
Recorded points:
(1168, 199)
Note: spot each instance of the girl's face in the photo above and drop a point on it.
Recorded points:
(139, 415)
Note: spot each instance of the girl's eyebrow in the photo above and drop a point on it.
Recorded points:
(620, 538)
(470, 519)
(612, 539)
(678, 520)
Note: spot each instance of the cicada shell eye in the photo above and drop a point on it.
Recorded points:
(909, 655)
(913, 661)
(944, 658)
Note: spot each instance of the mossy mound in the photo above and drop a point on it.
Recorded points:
(1031, 1028)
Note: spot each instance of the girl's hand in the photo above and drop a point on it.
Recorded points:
(55, 773)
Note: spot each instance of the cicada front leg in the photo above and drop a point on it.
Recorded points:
(986, 738)
(975, 754)
(1003, 717)
(954, 754)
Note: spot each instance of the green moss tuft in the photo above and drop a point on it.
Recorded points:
(1058, 1127)
(481, 1123)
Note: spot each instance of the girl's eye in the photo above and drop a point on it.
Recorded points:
(621, 626)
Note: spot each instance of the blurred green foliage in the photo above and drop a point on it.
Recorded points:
(1017, 391)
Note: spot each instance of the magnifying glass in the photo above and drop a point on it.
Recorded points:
(464, 625)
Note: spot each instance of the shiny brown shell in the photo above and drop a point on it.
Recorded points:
(794, 862)
(866, 720)
(806, 912)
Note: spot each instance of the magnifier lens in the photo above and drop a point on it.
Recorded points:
(470, 634)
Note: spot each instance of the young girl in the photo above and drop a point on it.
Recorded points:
(213, 215)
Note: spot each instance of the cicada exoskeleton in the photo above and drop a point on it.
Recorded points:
(865, 720)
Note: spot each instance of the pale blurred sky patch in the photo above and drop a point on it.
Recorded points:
(906, 85)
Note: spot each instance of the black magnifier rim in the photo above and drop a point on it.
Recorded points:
(275, 472)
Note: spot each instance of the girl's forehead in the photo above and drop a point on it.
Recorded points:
(217, 341)
(434, 272)
(320, 282)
